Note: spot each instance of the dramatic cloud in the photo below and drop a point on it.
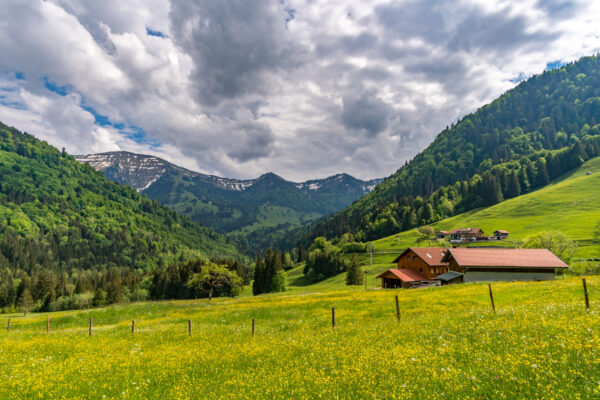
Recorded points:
(303, 88)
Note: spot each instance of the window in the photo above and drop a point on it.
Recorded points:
(420, 269)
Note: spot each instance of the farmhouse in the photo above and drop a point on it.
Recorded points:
(467, 234)
(500, 234)
(477, 264)
(416, 266)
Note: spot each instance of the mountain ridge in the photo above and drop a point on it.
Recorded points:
(119, 160)
(256, 213)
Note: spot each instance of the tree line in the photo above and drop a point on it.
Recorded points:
(47, 290)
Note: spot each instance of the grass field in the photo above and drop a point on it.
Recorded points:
(570, 205)
(541, 343)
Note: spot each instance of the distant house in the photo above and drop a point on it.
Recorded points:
(442, 234)
(467, 234)
(485, 264)
(416, 266)
(500, 235)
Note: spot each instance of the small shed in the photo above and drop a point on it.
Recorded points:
(450, 277)
(442, 234)
(401, 278)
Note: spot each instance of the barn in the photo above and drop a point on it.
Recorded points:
(486, 264)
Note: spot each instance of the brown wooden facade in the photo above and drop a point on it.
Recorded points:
(411, 260)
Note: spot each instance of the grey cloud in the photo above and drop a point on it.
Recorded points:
(234, 44)
(256, 142)
(365, 112)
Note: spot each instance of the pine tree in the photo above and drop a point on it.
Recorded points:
(25, 301)
(258, 286)
(513, 187)
(541, 177)
(354, 274)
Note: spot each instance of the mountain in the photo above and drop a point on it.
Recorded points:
(546, 126)
(253, 211)
(59, 214)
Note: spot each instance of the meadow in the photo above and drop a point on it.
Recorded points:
(541, 343)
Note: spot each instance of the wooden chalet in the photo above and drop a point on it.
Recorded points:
(467, 234)
(485, 264)
(500, 234)
(417, 266)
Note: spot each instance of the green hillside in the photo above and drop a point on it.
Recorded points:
(571, 205)
(57, 214)
(545, 127)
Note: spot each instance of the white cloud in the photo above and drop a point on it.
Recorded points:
(304, 88)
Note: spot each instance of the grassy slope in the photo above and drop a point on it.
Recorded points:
(540, 344)
(570, 205)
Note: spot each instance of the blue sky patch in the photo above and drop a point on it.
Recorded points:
(132, 132)
(151, 32)
(554, 65)
(53, 87)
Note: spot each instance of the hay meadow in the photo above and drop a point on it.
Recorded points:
(541, 343)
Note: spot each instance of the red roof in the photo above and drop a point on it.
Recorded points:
(514, 258)
(501, 231)
(443, 232)
(405, 275)
(467, 230)
(431, 255)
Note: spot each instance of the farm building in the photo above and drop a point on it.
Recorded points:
(450, 277)
(402, 278)
(467, 234)
(442, 234)
(477, 264)
(500, 234)
(415, 266)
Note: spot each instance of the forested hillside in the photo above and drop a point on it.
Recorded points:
(57, 214)
(546, 126)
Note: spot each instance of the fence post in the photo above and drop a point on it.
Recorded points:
(333, 317)
(47, 323)
(133, 327)
(190, 327)
(91, 325)
(252, 327)
(397, 309)
(492, 298)
(585, 292)
(8, 326)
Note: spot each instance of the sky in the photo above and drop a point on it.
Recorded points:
(302, 88)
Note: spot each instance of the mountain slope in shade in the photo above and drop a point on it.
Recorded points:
(242, 207)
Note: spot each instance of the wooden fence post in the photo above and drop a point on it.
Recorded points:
(252, 327)
(91, 325)
(397, 310)
(492, 298)
(190, 327)
(8, 326)
(585, 292)
(47, 323)
(333, 317)
(133, 327)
